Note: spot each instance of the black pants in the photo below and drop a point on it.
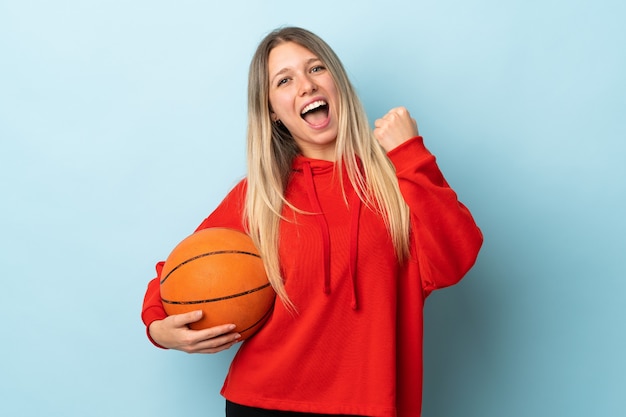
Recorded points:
(236, 410)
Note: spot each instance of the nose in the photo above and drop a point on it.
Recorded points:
(307, 85)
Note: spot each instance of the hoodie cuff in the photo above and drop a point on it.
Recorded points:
(148, 317)
(408, 152)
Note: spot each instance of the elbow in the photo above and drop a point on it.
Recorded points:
(469, 254)
(454, 264)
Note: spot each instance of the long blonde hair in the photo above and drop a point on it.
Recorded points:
(271, 150)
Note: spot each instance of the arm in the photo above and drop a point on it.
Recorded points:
(173, 332)
(445, 237)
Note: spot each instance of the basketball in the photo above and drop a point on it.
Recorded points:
(218, 271)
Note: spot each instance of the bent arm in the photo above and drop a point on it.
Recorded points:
(445, 237)
(173, 332)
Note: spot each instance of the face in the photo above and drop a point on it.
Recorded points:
(304, 98)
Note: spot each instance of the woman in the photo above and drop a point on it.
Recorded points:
(355, 226)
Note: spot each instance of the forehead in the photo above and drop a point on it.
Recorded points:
(288, 55)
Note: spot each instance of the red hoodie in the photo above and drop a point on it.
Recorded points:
(355, 345)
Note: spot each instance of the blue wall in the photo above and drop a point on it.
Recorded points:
(122, 125)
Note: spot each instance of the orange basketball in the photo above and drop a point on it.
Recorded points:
(220, 272)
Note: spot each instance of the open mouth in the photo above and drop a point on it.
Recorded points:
(315, 113)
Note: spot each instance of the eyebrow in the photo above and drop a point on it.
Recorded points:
(287, 69)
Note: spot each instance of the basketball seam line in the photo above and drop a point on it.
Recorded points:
(212, 300)
(262, 319)
(219, 252)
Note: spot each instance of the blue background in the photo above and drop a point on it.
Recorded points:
(122, 125)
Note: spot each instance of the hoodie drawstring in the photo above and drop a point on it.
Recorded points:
(355, 212)
(308, 175)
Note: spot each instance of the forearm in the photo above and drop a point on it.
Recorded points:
(445, 236)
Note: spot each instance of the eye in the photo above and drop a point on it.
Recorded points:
(318, 68)
(282, 81)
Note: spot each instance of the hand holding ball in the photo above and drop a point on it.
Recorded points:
(220, 272)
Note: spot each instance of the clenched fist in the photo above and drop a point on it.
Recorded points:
(395, 128)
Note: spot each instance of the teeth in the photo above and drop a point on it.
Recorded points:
(313, 106)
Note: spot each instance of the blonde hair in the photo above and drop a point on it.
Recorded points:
(271, 150)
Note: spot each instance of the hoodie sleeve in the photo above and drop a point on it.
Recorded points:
(445, 238)
(228, 214)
